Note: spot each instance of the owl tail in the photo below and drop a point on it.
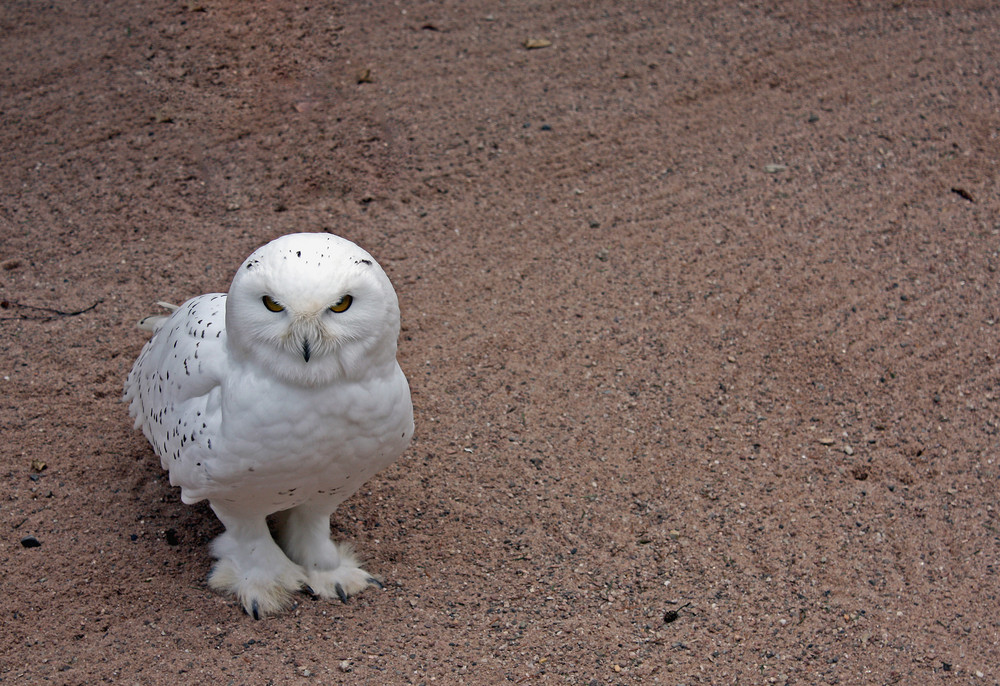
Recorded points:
(153, 322)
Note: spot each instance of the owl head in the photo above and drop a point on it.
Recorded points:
(312, 308)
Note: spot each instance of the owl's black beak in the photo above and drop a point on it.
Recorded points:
(305, 349)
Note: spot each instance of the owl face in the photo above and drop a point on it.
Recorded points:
(311, 309)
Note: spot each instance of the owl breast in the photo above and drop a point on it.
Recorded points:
(311, 444)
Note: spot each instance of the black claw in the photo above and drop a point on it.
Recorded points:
(340, 593)
(372, 581)
(255, 610)
(308, 590)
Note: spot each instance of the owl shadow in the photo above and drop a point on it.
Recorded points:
(162, 519)
(176, 528)
(175, 537)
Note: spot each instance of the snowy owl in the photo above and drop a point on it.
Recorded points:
(281, 397)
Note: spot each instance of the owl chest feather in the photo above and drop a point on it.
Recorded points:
(285, 448)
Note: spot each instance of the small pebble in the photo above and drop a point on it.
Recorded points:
(30, 542)
(536, 43)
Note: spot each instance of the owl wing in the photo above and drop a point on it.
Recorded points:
(175, 386)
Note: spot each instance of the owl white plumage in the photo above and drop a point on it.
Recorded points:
(281, 397)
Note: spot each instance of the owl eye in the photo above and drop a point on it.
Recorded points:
(342, 304)
(270, 304)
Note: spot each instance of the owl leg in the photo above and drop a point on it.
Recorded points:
(332, 569)
(251, 566)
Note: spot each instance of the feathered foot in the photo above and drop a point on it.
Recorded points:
(253, 568)
(332, 570)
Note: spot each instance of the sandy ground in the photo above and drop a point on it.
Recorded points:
(700, 314)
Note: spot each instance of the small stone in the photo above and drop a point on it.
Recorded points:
(848, 450)
(826, 441)
(30, 542)
(345, 665)
(775, 168)
(537, 43)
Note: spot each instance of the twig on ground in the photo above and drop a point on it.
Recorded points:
(43, 313)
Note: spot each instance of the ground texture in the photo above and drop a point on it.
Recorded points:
(700, 308)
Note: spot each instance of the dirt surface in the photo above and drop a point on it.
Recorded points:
(700, 309)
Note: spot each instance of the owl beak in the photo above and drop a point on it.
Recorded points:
(305, 349)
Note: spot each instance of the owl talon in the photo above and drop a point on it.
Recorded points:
(308, 590)
(255, 609)
(340, 593)
(372, 581)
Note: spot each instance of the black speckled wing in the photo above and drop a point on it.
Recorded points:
(175, 386)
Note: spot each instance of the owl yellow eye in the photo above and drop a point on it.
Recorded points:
(271, 305)
(342, 304)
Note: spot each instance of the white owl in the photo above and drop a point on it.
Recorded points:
(284, 397)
